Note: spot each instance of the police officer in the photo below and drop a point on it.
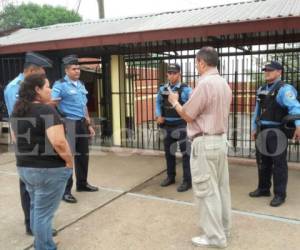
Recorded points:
(174, 127)
(69, 94)
(275, 100)
(34, 63)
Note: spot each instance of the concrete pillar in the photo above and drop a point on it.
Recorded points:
(118, 102)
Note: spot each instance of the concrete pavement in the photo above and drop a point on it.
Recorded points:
(131, 210)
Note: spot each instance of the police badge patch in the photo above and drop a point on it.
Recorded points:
(290, 95)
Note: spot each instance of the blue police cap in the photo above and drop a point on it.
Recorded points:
(38, 60)
(174, 67)
(273, 65)
(70, 60)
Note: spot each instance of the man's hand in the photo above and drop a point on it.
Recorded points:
(92, 131)
(297, 134)
(253, 135)
(160, 120)
(12, 134)
(69, 164)
(173, 97)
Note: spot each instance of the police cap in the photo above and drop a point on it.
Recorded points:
(38, 60)
(174, 67)
(70, 60)
(273, 65)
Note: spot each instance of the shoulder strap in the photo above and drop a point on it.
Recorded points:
(261, 87)
(182, 86)
(276, 88)
(160, 86)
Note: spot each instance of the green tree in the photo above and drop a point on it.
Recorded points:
(34, 15)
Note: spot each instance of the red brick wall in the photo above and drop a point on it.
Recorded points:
(243, 100)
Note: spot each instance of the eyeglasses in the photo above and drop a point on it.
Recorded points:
(269, 70)
(173, 73)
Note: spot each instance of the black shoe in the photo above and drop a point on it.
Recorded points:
(29, 232)
(87, 188)
(54, 232)
(69, 198)
(277, 201)
(184, 186)
(167, 182)
(259, 193)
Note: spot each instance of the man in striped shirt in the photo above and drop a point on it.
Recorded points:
(206, 113)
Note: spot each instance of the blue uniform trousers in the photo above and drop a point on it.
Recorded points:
(273, 162)
(78, 137)
(172, 136)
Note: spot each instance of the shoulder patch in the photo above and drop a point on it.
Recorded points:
(290, 95)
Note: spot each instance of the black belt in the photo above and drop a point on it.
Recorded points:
(82, 119)
(174, 124)
(269, 126)
(79, 120)
(204, 134)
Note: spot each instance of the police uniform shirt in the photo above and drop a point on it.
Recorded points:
(184, 96)
(72, 98)
(286, 97)
(11, 93)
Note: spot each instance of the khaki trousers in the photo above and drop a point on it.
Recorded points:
(210, 177)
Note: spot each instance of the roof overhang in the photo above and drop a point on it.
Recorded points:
(278, 24)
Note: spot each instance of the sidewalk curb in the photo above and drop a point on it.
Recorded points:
(150, 152)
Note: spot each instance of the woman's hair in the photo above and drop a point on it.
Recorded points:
(27, 93)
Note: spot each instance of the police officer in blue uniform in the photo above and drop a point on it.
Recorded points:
(275, 100)
(69, 94)
(34, 64)
(174, 127)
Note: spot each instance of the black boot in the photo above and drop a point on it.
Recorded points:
(277, 201)
(167, 182)
(258, 193)
(184, 186)
(28, 230)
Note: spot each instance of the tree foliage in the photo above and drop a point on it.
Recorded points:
(34, 15)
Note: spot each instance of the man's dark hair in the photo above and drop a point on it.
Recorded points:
(69, 65)
(209, 55)
(28, 65)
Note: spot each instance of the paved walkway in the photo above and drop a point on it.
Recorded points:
(131, 210)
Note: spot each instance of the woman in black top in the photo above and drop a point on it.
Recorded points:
(43, 155)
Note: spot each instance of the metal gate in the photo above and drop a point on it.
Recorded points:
(10, 67)
(241, 61)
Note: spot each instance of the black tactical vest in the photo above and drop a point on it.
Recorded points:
(167, 109)
(270, 109)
